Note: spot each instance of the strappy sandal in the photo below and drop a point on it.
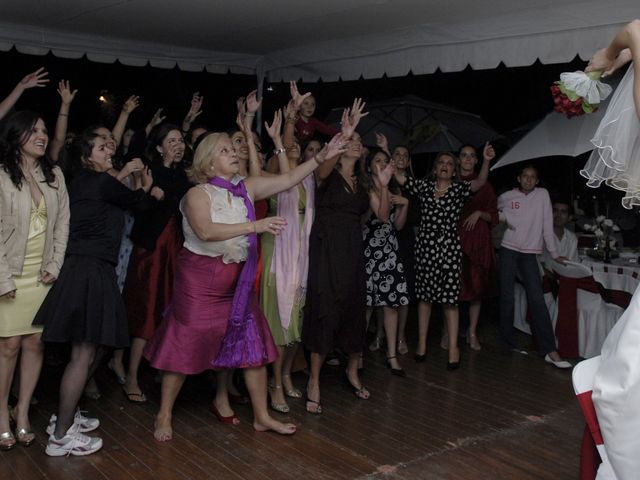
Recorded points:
(313, 407)
(361, 392)
(24, 436)
(7, 441)
(278, 407)
(292, 392)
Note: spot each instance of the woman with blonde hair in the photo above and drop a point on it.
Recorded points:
(214, 321)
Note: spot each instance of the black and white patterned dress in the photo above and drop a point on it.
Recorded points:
(438, 254)
(386, 282)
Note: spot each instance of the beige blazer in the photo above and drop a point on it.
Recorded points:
(15, 216)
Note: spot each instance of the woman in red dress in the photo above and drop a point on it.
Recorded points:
(478, 216)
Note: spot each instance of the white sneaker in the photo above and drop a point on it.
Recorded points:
(73, 443)
(558, 364)
(85, 424)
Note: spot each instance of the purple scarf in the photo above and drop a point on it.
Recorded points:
(242, 345)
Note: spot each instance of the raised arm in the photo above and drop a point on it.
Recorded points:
(245, 122)
(380, 203)
(157, 119)
(488, 154)
(34, 79)
(350, 119)
(274, 132)
(194, 111)
(264, 187)
(129, 106)
(383, 143)
(615, 55)
(60, 135)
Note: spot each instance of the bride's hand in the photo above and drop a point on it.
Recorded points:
(600, 62)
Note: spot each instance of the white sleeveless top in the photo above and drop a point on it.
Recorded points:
(225, 208)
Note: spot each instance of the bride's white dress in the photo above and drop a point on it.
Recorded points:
(616, 157)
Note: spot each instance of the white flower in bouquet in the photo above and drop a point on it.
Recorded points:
(600, 219)
(607, 222)
(616, 228)
(598, 232)
(587, 227)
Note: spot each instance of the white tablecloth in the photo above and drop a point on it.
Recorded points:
(596, 317)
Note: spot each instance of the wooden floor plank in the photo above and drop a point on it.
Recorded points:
(501, 416)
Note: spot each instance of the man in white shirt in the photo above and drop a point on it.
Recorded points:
(567, 240)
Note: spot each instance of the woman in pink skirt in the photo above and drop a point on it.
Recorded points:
(214, 321)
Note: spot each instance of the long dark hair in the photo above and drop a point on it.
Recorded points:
(16, 132)
(155, 139)
(367, 175)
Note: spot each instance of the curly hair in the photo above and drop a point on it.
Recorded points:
(15, 134)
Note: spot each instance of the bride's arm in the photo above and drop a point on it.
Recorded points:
(626, 43)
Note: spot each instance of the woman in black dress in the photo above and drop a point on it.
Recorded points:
(334, 312)
(157, 236)
(84, 306)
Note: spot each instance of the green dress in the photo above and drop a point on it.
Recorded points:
(268, 289)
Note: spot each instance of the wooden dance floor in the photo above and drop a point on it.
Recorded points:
(501, 416)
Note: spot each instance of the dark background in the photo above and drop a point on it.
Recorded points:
(511, 100)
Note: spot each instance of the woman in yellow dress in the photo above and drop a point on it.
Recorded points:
(34, 225)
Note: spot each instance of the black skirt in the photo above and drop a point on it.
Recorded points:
(85, 305)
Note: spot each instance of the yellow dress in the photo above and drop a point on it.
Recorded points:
(17, 314)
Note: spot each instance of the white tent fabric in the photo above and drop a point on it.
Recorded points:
(291, 39)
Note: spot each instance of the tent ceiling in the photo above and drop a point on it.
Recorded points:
(287, 39)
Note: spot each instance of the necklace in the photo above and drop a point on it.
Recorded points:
(435, 187)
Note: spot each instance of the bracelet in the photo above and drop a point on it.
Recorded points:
(278, 151)
(253, 224)
(63, 114)
(249, 114)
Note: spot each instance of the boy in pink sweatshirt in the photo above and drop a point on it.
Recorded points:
(529, 218)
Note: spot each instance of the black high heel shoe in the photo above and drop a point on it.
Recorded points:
(420, 358)
(398, 372)
(454, 365)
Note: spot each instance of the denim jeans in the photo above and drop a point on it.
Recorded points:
(524, 267)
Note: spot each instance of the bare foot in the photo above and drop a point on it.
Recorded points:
(269, 423)
(474, 343)
(163, 432)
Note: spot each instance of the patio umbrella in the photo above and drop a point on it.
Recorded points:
(421, 125)
(556, 135)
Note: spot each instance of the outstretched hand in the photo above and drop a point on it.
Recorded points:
(296, 96)
(195, 109)
(252, 103)
(488, 153)
(274, 129)
(157, 118)
(64, 90)
(386, 173)
(382, 142)
(35, 79)
(337, 146)
(131, 104)
(351, 117)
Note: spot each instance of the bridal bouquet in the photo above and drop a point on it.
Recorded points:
(577, 93)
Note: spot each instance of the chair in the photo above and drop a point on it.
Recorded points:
(583, 375)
